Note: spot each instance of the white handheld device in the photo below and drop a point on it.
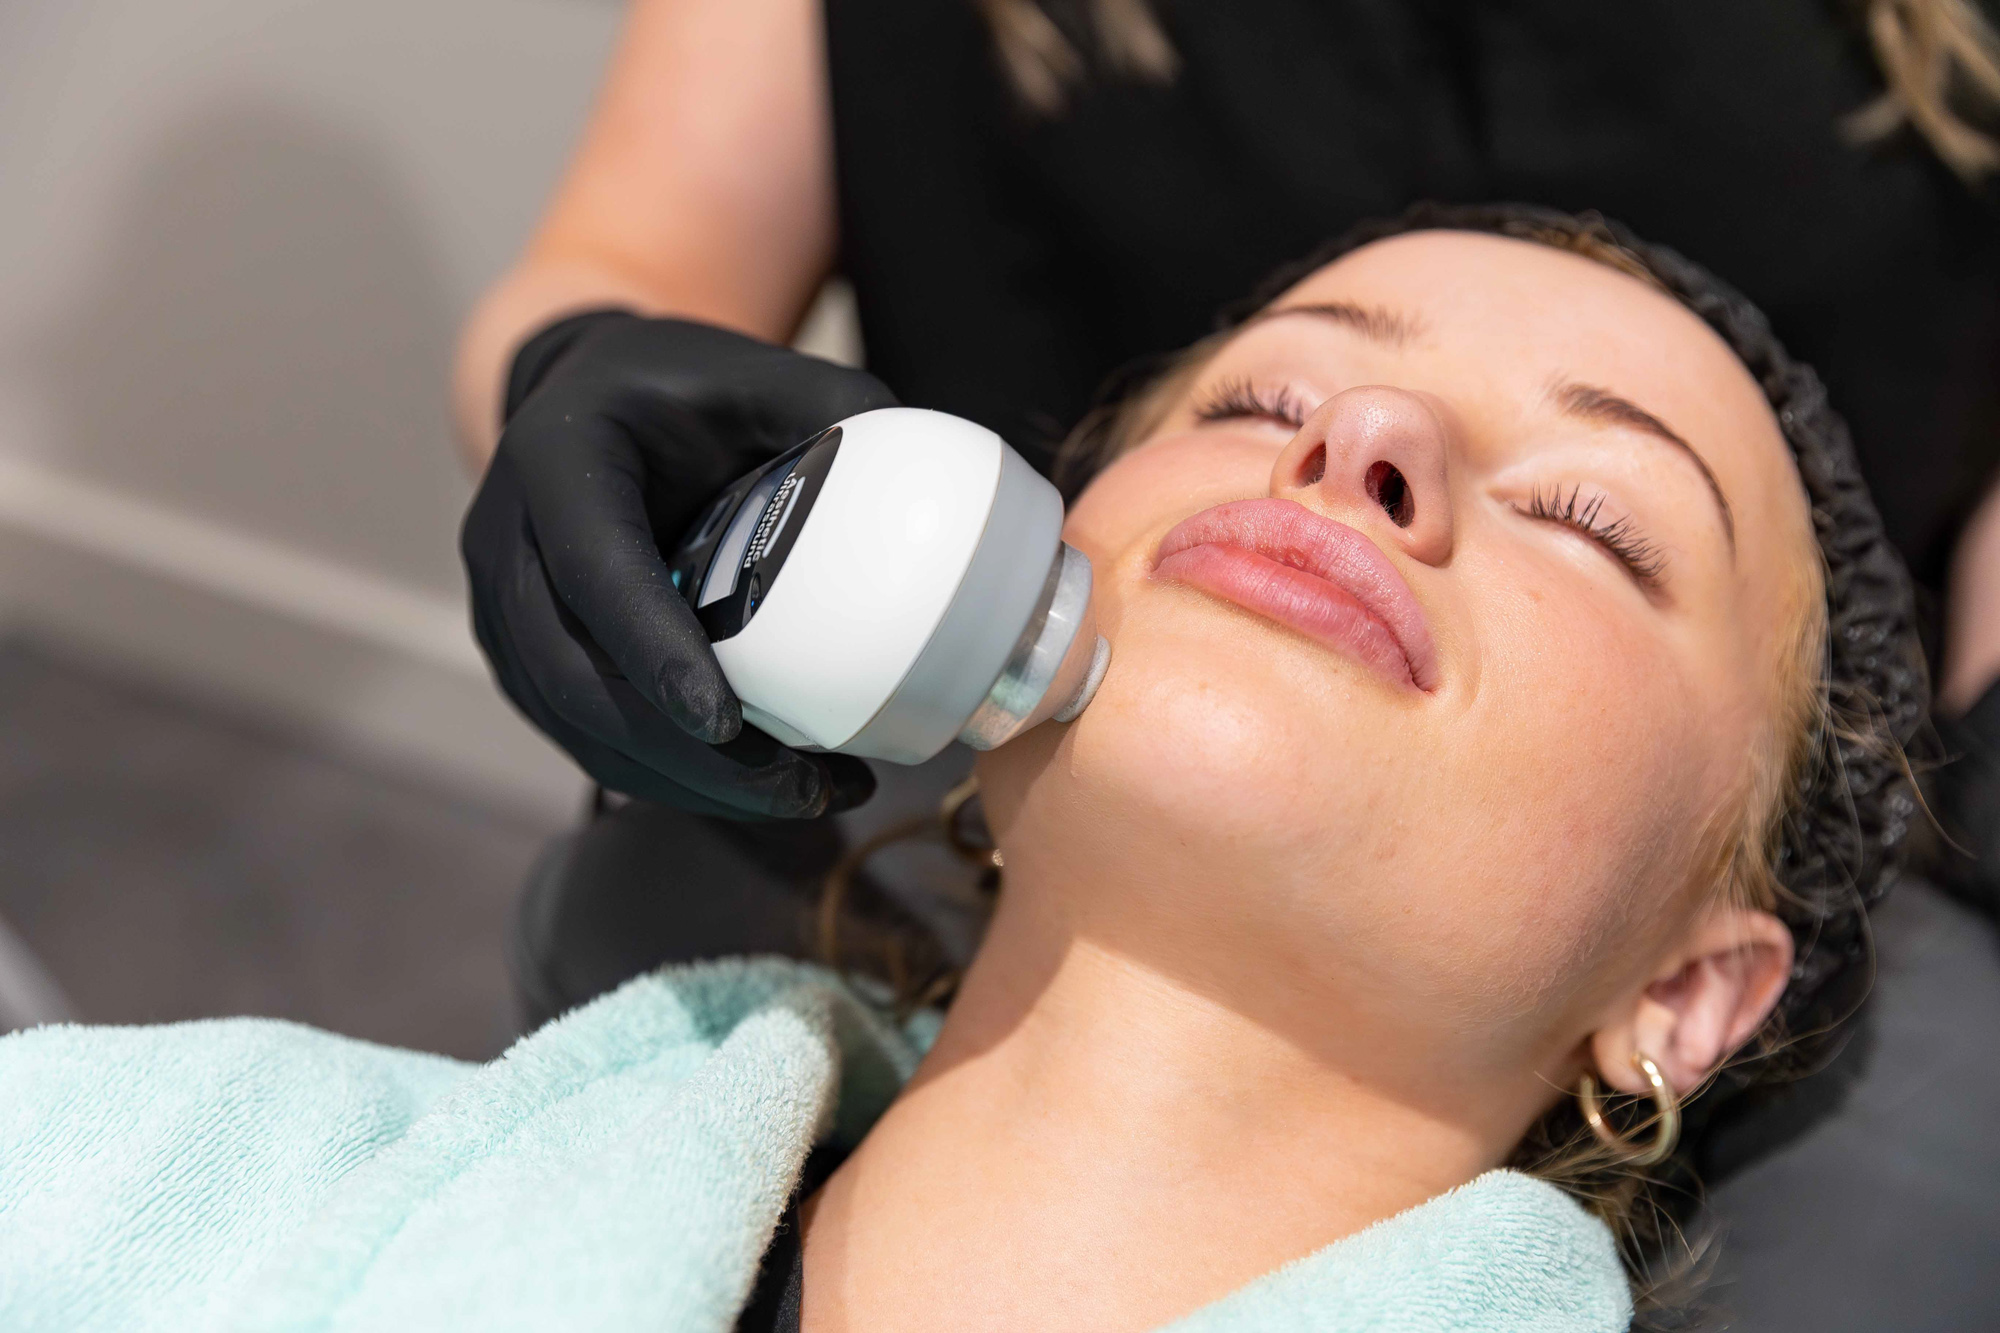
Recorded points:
(894, 583)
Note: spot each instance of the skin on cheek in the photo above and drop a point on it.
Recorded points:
(1121, 516)
(1593, 807)
(1179, 728)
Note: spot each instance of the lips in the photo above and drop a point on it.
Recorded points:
(1310, 573)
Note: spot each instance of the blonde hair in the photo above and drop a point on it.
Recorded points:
(1932, 51)
(1937, 57)
(1043, 64)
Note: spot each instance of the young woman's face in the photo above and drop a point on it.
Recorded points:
(1448, 608)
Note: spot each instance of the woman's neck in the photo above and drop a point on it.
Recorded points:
(1092, 1145)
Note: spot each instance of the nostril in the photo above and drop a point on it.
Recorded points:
(1386, 487)
(1314, 470)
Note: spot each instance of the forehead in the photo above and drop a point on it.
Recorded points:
(1502, 317)
(1522, 308)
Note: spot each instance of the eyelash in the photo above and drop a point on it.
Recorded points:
(1646, 561)
(1237, 398)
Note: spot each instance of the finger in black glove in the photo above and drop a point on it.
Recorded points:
(618, 430)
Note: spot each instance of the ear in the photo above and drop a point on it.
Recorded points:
(1705, 1001)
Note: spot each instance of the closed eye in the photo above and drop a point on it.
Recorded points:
(1239, 399)
(1643, 558)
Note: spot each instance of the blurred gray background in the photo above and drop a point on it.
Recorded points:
(250, 759)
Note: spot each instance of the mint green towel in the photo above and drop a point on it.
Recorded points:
(621, 1169)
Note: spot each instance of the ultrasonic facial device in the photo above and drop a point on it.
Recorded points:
(896, 582)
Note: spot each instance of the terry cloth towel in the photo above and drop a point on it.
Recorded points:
(623, 1168)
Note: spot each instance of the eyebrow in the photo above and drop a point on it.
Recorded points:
(1375, 323)
(1592, 403)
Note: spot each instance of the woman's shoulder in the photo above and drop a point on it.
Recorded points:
(139, 1165)
(168, 1177)
(72, 1086)
(1505, 1252)
(37, 1062)
(87, 1100)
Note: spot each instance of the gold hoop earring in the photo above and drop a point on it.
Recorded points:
(982, 854)
(946, 824)
(1667, 1123)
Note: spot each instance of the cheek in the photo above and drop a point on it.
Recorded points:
(1223, 748)
(1189, 733)
(1146, 490)
(1598, 760)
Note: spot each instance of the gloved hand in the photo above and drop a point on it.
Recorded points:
(618, 429)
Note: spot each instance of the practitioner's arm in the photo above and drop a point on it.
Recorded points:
(703, 188)
(1972, 622)
(1967, 787)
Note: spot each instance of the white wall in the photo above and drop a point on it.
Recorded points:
(236, 237)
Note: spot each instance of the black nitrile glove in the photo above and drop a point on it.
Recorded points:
(618, 430)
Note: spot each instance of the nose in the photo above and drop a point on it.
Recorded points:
(1375, 457)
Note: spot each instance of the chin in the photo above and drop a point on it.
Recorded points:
(1219, 727)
